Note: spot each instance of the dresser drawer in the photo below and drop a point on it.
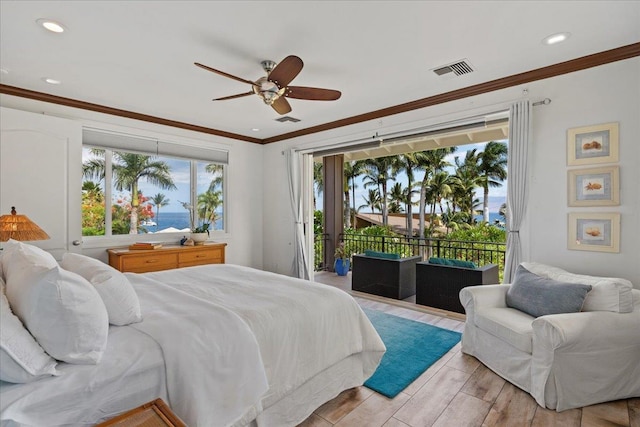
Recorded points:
(207, 255)
(149, 262)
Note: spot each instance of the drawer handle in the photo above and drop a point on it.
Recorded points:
(151, 261)
(201, 256)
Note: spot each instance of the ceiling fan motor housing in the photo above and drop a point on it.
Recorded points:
(268, 65)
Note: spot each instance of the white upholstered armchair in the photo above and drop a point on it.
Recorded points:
(563, 360)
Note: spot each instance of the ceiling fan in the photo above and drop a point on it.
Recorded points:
(274, 88)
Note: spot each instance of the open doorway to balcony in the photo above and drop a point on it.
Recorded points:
(440, 193)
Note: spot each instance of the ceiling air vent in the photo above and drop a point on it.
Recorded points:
(457, 68)
(287, 119)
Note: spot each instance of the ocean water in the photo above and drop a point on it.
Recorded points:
(177, 220)
(493, 217)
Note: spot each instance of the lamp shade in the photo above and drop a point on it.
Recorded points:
(19, 227)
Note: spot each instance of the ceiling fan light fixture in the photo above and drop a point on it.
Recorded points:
(267, 90)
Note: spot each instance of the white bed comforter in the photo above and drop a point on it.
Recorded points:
(236, 340)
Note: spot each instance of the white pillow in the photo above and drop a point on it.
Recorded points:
(22, 360)
(114, 288)
(607, 293)
(63, 312)
(18, 257)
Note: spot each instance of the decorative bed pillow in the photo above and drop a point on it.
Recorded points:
(607, 294)
(62, 311)
(539, 296)
(22, 360)
(114, 288)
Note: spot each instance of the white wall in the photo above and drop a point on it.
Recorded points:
(598, 95)
(245, 172)
(610, 93)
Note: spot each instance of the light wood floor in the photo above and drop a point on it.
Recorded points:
(457, 390)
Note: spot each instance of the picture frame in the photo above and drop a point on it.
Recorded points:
(592, 144)
(594, 186)
(594, 231)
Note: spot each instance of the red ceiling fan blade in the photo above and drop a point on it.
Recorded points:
(240, 95)
(222, 73)
(281, 105)
(312, 93)
(286, 71)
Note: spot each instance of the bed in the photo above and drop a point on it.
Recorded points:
(224, 345)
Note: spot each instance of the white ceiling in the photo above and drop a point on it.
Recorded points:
(139, 55)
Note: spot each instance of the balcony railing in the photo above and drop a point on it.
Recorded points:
(481, 253)
(319, 243)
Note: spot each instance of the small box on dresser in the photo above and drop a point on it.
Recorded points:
(166, 257)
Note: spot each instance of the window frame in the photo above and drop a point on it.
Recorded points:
(110, 239)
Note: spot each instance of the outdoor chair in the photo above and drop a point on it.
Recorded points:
(384, 274)
(438, 285)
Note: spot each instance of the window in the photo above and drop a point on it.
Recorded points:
(134, 185)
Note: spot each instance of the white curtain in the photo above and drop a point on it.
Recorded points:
(294, 175)
(519, 141)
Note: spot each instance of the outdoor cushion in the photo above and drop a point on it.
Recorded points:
(508, 324)
(452, 262)
(384, 255)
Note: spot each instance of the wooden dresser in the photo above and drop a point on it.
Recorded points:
(165, 258)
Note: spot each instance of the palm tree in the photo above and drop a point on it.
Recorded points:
(318, 181)
(492, 169)
(352, 170)
(397, 197)
(208, 202)
(465, 181)
(218, 175)
(378, 173)
(372, 200)
(432, 162)
(407, 163)
(439, 187)
(128, 170)
(159, 200)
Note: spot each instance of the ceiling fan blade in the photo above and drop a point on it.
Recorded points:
(286, 71)
(281, 105)
(312, 93)
(240, 95)
(222, 73)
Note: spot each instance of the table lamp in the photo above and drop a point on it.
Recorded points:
(19, 227)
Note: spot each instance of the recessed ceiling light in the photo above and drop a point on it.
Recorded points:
(556, 38)
(255, 129)
(51, 81)
(50, 25)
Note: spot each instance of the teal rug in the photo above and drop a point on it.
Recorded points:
(411, 348)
